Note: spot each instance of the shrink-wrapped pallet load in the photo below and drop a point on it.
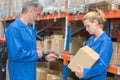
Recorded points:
(77, 6)
(104, 5)
(4, 8)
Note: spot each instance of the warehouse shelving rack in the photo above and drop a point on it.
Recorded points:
(113, 18)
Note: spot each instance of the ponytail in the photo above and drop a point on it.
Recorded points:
(101, 14)
(98, 15)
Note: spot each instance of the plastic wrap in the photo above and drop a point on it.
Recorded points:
(60, 5)
(116, 5)
(116, 2)
(48, 6)
(16, 7)
(77, 6)
(53, 6)
(4, 8)
(96, 1)
(104, 5)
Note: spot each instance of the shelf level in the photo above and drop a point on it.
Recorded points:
(112, 14)
(109, 15)
(52, 16)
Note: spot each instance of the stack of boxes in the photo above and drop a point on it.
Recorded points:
(57, 43)
(46, 74)
(116, 54)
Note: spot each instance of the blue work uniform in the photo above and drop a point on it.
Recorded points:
(22, 55)
(103, 46)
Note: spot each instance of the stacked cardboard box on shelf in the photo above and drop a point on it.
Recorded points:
(116, 54)
(57, 43)
(47, 74)
(56, 77)
(39, 44)
(47, 44)
(41, 73)
(55, 66)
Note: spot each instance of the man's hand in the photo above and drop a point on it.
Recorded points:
(40, 53)
(51, 57)
(79, 73)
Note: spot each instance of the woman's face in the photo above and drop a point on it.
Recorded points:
(90, 26)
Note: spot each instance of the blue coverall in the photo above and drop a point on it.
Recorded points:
(22, 55)
(103, 46)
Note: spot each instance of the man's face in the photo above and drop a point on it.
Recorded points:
(33, 14)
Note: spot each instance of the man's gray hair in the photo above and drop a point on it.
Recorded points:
(29, 4)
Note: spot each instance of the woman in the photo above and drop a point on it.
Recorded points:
(101, 43)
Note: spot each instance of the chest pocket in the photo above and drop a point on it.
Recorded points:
(26, 39)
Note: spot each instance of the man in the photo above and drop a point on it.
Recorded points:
(21, 44)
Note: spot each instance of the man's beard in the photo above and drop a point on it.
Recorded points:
(32, 21)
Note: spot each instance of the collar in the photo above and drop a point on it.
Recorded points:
(21, 23)
(101, 37)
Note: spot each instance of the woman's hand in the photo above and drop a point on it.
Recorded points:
(79, 73)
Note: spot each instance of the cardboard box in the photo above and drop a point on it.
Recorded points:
(75, 44)
(42, 73)
(55, 66)
(56, 77)
(56, 36)
(39, 44)
(85, 57)
(57, 45)
(53, 77)
(47, 44)
(115, 60)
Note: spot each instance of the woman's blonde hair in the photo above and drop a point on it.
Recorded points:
(99, 16)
